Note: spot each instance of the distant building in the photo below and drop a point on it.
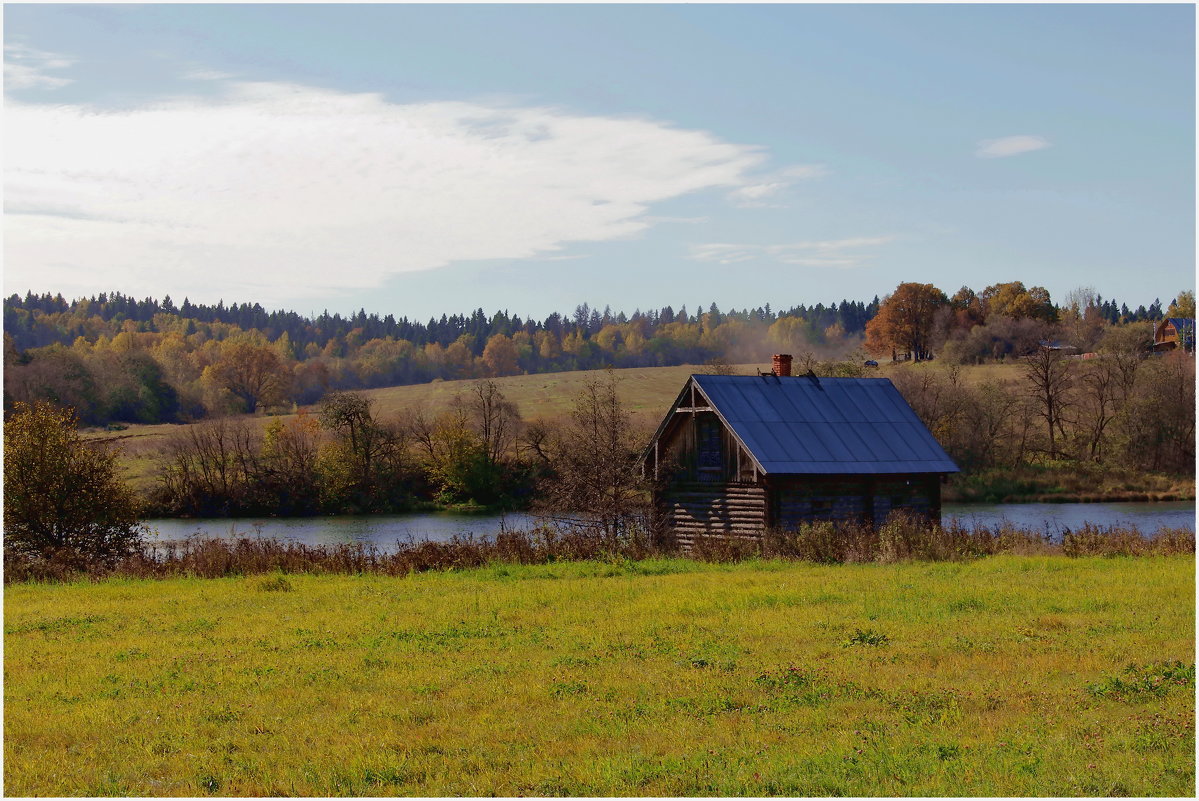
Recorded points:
(1054, 344)
(1173, 333)
(738, 454)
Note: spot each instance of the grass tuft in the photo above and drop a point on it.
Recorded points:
(867, 637)
(1139, 682)
(276, 584)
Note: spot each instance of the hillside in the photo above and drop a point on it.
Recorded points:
(646, 391)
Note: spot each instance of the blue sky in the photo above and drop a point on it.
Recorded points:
(420, 160)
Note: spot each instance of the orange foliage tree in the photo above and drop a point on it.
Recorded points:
(904, 321)
(253, 373)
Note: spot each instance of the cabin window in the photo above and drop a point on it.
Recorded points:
(709, 450)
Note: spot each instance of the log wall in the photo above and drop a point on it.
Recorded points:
(852, 498)
(733, 509)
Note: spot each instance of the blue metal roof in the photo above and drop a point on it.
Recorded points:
(1181, 324)
(827, 425)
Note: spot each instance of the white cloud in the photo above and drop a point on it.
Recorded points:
(654, 220)
(820, 253)
(25, 67)
(1009, 146)
(753, 194)
(206, 75)
(767, 187)
(274, 192)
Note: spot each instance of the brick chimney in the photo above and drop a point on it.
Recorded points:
(782, 364)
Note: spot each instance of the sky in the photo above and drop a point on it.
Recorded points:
(417, 160)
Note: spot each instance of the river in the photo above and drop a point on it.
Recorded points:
(386, 530)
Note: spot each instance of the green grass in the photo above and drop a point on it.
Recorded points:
(999, 677)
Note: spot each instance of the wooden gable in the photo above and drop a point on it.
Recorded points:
(695, 444)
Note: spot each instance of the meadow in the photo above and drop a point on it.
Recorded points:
(1003, 676)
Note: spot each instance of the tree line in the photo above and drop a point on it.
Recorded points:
(118, 360)
(170, 368)
(1087, 391)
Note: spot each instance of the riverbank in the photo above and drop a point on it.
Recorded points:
(1066, 482)
(385, 531)
(900, 539)
(663, 677)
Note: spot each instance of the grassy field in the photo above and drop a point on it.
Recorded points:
(1000, 677)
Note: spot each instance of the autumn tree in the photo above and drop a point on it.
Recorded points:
(1159, 426)
(967, 308)
(500, 356)
(209, 468)
(288, 463)
(1081, 319)
(363, 467)
(452, 452)
(1183, 305)
(55, 374)
(252, 373)
(990, 409)
(496, 420)
(469, 448)
(791, 334)
(63, 497)
(1099, 396)
(1127, 346)
(904, 322)
(1012, 299)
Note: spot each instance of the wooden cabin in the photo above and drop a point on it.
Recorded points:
(1173, 333)
(738, 454)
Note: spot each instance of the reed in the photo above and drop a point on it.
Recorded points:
(902, 538)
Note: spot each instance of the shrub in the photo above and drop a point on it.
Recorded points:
(63, 499)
